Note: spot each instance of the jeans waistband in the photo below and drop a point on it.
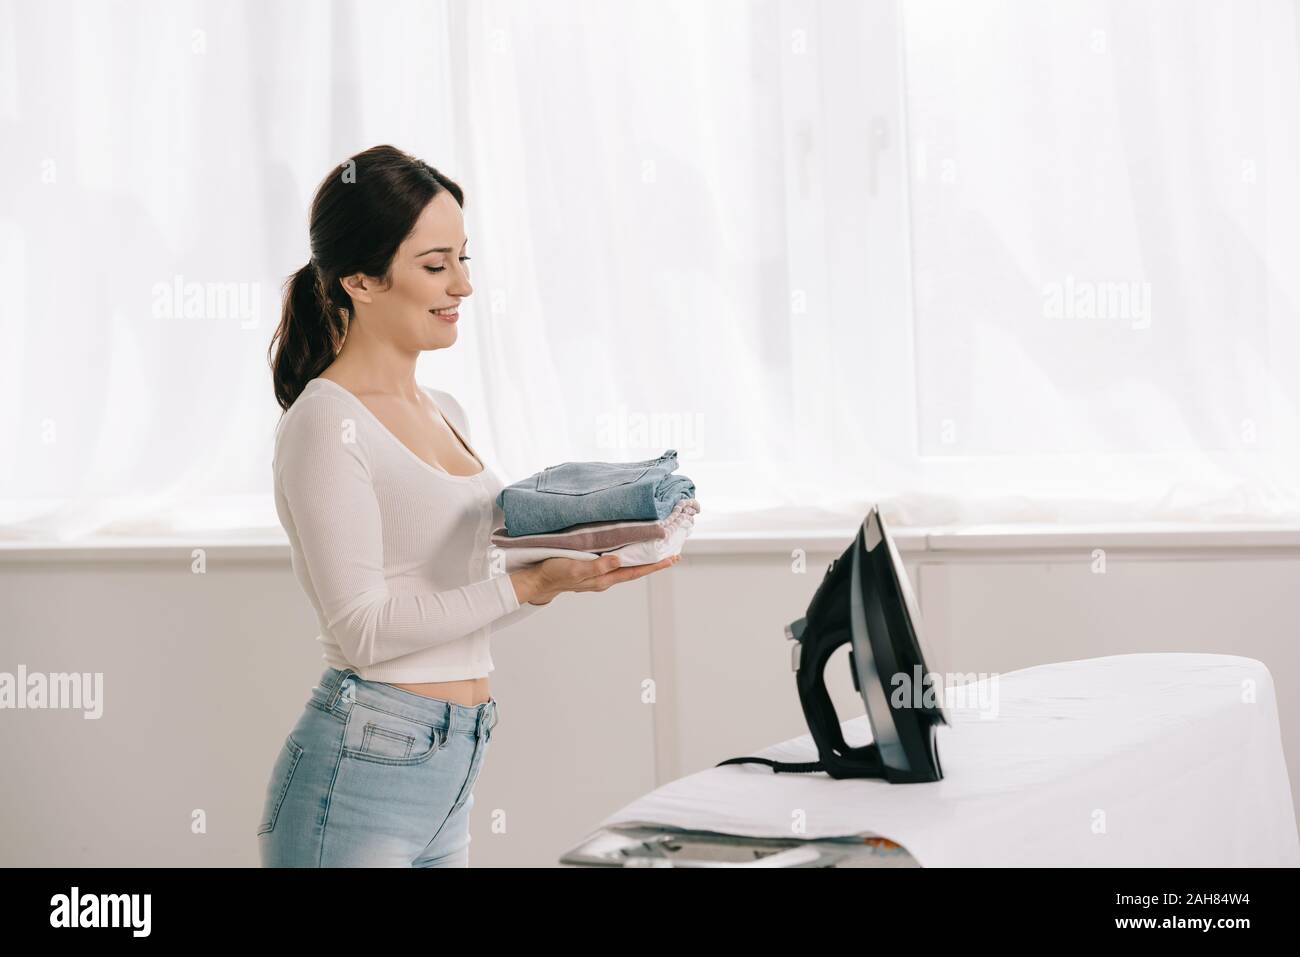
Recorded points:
(337, 690)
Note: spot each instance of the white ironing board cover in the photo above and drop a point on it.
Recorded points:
(1127, 760)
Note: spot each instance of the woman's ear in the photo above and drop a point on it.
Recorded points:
(359, 286)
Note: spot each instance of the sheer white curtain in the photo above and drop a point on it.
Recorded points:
(159, 159)
(648, 186)
(832, 252)
(1105, 222)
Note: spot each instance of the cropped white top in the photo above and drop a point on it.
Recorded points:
(394, 554)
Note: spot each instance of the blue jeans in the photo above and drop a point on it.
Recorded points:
(374, 776)
(576, 492)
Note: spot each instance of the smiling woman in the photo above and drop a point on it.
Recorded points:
(385, 506)
(389, 510)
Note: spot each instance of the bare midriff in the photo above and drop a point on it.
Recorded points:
(469, 692)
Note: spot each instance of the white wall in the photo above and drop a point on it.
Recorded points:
(205, 673)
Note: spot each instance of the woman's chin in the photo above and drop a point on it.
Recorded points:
(441, 340)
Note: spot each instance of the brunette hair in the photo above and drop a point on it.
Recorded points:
(359, 216)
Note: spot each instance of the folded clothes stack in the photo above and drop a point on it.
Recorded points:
(637, 510)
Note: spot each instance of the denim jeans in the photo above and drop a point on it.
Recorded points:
(574, 492)
(374, 776)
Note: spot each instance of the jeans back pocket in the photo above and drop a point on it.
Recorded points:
(281, 776)
(583, 478)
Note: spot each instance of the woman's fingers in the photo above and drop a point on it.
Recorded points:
(568, 574)
(631, 573)
(598, 568)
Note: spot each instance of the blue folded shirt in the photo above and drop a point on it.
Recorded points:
(575, 492)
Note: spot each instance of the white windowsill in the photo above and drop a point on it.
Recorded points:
(940, 543)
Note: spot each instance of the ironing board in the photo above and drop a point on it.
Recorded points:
(1165, 760)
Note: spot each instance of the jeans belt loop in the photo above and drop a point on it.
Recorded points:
(345, 690)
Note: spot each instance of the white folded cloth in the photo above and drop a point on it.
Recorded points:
(638, 553)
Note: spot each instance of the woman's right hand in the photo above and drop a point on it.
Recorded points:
(539, 583)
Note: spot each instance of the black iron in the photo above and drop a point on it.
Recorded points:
(865, 600)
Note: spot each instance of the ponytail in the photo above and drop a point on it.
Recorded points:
(308, 338)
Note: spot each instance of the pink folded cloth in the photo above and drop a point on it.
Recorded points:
(602, 536)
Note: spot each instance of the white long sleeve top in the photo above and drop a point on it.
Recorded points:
(394, 554)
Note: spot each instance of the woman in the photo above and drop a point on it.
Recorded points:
(389, 510)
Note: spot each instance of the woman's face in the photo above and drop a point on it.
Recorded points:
(428, 274)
